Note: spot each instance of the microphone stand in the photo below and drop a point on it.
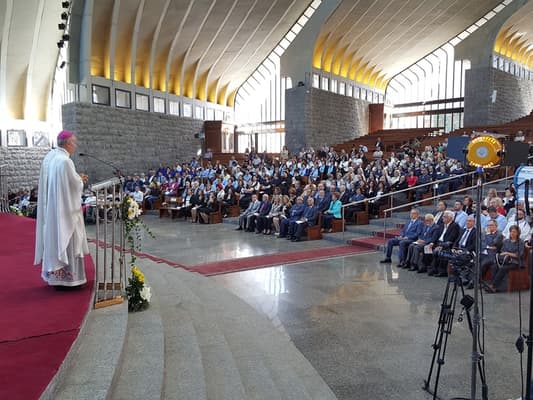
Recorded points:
(116, 170)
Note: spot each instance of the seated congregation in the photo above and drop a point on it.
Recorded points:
(438, 242)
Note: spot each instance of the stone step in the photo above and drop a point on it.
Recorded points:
(88, 370)
(254, 341)
(208, 351)
(184, 374)
(141, 372)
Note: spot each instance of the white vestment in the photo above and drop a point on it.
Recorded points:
(61, 241)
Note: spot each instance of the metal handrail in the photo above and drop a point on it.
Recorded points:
(392, 193)
(435, 197)
(447, 193)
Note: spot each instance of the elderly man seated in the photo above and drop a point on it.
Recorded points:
(409, 233)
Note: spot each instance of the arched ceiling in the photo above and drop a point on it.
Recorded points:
(28, 56)
(371, 41)
(515, 39)
(202, 49)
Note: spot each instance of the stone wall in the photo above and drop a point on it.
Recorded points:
(315, 117)
(514, 97)
(134, 141)
(22, 165)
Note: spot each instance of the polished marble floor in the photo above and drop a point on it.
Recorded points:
(366, 327)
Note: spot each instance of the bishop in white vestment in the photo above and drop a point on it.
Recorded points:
(61, 241)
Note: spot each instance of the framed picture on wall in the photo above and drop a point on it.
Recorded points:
(40, 139)
(16, 138)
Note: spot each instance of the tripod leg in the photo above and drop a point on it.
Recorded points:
(481, 360)
(438, 336)
(443, 331)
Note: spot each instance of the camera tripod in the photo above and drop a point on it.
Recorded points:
(444, 329)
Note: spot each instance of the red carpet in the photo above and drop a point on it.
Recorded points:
(268, 260)
(37, 324)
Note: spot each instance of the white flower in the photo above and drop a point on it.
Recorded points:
(145, 293)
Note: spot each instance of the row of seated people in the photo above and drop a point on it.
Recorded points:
(427, 246)
(285, 220)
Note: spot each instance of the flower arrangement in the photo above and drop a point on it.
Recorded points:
(138, 293)
(15, 210)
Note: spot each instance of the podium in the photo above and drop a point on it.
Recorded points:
(110, 244)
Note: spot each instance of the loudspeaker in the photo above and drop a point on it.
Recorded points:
(456, 147)
(516, 153)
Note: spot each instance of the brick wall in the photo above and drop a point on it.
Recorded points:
(134, 141)
(22, 165)
(316, 117)
(514, 97)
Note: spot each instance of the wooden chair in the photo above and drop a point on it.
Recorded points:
(337, 225)
(313, 232)
(361, 217)
(216, 217)
(235, 210)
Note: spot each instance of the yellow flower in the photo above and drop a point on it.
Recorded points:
(131, 214)
(140, 278)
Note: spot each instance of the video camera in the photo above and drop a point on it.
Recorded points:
(460, 259)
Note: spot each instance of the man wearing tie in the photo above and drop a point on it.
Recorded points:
(410, 232)
(309, 218)
(441, 207)
(468, 237)
(263, 210)
(415, 252)
(448, 235)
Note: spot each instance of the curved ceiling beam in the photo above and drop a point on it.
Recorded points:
(172, 82)
(135, 42)
(211, 83)
(218, 87)
(155, 38)
(199, 85)
(188, 71)
(110, 62)
(8, 17)
(234, 85)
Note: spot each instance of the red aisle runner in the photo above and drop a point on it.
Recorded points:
(38, 324)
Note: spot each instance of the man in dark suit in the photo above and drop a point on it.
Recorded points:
(410, 232)
(263, 210)
(467, 239)
(309, 218)
(448, 235)
(415, 251)
(296, 212)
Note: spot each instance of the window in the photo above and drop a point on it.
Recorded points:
(199, 112)
(342, 88)
(141, 102)
(101, 95)
(350, 91)
(187, 110)
(334, 85)
(122, 98)
(219, 115)
(316, 81)
(325, 83)
(174, 107)
(210, 114)
(159, 105)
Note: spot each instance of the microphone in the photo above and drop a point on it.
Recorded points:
(115, 168)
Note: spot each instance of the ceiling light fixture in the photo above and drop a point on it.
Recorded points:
(61, 26)
(60, 44)
(65, 38)
(65, 4)
(64, 16)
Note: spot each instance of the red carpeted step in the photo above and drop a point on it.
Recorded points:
(390, 233)
(268, 260)
(372, 242)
